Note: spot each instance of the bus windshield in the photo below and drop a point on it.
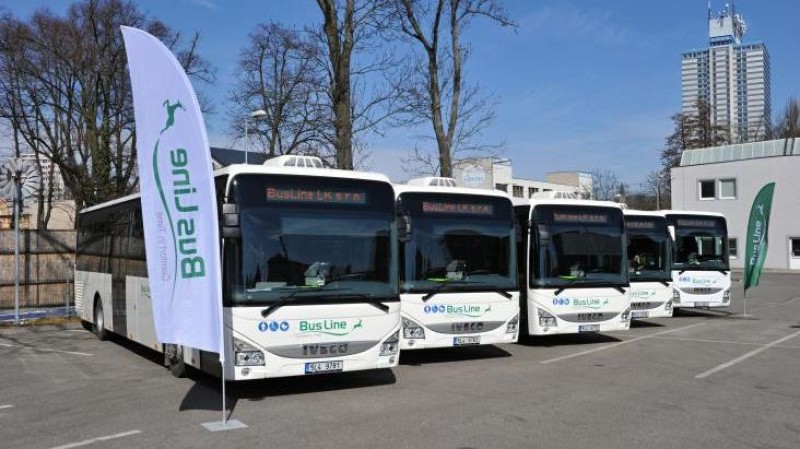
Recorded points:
(701, 243)
(464, 241)
(648, 249)
(577, 246)
(311, 238)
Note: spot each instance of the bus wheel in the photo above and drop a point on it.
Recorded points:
(99, 320)
(173, 359)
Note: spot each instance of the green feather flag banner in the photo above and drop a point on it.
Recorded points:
(757, 232)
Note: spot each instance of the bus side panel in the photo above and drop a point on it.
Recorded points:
(94, 285)
(141, 326)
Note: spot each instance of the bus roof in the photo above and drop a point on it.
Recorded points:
(691, 212)
(644, 213)
(564, 202)
(403, 188)
(238, 169)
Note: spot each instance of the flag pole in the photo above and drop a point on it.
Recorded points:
(224, 407)
(745, 304)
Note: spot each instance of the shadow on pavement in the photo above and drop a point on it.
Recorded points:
(446, 355)
(641, 323)
(206, 393)
(703, 313)
(566, 339)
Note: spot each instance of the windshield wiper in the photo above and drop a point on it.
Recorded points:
(291, 297)
(265, 313)
(369, 299)
(441, 286)
(572, 283)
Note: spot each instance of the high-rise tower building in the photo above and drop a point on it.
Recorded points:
(732, 77)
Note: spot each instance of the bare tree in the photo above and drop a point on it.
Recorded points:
(789, 120)
(657, 186)
(605, 184)
(279, 74)
(72, 92)
(434, 88)
(691, 131)
(355, 62)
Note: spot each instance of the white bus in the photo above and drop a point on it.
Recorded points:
(458, 275)
(309, 263)
(572, 261)
(701, 275)
(649, 262)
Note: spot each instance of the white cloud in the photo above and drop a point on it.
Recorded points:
(567, 21)
(208, 4)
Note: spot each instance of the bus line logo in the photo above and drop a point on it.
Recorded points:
(589, 303)
(697, 281)
(467, 310)
(560, 301)
(273, 326)
(642, 294)
(182, 204)
(329, 327)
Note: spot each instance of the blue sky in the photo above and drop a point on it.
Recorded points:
(579, 85)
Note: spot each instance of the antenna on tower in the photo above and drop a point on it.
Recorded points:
(709, 9)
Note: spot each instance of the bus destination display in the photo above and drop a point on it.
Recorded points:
(631, 224)
(436, 207)
(564, 217)
(300, 195)
(694, 223)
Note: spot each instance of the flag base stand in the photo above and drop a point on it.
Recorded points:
(220, 426)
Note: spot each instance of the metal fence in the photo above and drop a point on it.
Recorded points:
(46, 266)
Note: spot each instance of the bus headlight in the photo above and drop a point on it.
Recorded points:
(412, 330)
(512, 325)
(546, 319)
(676, 296)
(726, 296)
(668, 305)
(626, 315)
(246, 354)
(390, 346)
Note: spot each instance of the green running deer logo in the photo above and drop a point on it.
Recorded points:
(171, 113)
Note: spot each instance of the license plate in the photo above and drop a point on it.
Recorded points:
(461, 341)
(701, 304)
(589, 328)
(323, 367)
(640, 314)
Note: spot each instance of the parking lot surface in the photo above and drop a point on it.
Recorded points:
(700, 379)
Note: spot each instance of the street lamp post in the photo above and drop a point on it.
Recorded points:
(17, 207)
(659, 178)
(255, 114)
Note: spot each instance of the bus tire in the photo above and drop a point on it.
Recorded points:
(173, 359)
(99, 327)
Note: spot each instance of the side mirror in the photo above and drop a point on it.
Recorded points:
(404, 227)
(230, 221)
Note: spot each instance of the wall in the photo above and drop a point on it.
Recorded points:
(751, 175)
(46, 261)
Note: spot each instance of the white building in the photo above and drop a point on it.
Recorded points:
(48, 171)
(734, 78)
(726, 179)
(497, 173)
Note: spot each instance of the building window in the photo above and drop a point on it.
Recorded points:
(733, 247)
(795, 247)
(503, 187)
(727, 188)
(707, 190)
(518, 191)
(531, 191)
